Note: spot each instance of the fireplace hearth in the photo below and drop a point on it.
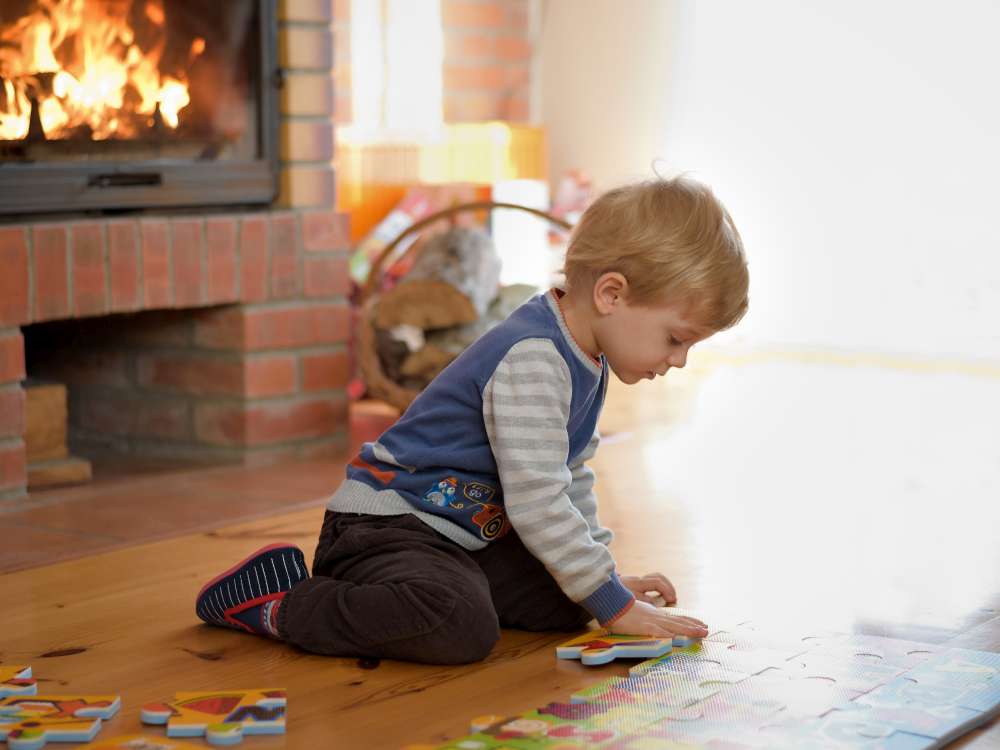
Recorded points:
(128, 104)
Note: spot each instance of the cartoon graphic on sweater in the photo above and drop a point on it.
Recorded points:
(442, 493)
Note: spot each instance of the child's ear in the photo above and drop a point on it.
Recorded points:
(610, 291)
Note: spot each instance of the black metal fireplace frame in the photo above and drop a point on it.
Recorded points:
(115, 186)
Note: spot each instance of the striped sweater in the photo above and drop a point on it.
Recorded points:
(499, 440)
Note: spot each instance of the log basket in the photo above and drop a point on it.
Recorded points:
(379, 385)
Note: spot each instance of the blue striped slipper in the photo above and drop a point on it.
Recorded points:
(247, 596)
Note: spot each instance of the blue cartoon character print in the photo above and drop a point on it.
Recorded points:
(442, 493)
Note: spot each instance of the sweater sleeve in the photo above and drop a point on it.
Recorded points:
(526, 406)
(581, 491)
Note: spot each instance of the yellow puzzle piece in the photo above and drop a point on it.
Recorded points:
(222, 716)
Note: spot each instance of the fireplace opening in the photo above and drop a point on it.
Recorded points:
(111, 104)
(133, 387)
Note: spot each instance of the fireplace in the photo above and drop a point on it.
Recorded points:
(126, 104)
(182, 328)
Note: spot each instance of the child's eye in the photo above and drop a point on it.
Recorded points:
(674, 341)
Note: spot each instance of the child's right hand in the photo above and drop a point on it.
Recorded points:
(646, 619)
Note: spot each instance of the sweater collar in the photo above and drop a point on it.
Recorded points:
(596, 366)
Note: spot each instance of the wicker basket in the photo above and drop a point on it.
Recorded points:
(379, 385)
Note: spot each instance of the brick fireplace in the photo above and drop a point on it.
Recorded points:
(200, 334)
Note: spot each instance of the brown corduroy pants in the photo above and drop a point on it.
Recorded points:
(392, 587)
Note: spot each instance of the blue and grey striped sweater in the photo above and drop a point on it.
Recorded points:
(499, 440)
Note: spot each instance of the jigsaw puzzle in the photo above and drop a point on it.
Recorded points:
(28, 722)
(16, 680)
(221, 716)
(747, 687)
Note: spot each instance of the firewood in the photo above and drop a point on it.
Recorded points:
(453, 281)
(443, 346)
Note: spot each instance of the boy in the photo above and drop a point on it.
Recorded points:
(476, 511)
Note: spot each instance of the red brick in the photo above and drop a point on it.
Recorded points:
(88, 367)
(123, 260)
(273, 328)
(326, 277)
(14, 284)
(220, 241)
(269, 422)
(51, 266)
(472, 107)
(193, 374)
(11, 356)
(187, 251)
(12, 402)
(204, 375)
(489, 77)
(518, 19)
(13, 465)
(157, 289)
(270, 375)
(253, 259)
(128, 416)
(154, 328)
(168, 419)
(517, 109)
(324, 372)
(470, 13)
(513, 48)
(90, 286)
(325, 230)
(463, 47)
(284, 257)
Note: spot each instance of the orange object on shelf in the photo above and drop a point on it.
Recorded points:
(374, 175)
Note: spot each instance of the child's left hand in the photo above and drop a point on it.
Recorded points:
(642, 585)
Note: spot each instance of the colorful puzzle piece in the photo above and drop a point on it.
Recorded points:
(600, 647)
(222, 716)
(142, 742)
(28, 722)
(16, 680)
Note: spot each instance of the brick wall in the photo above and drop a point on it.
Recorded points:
(487, 60)
(244, 359)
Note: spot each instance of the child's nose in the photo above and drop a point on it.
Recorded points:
(678, 358)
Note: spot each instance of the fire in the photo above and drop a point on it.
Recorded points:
(78, 64)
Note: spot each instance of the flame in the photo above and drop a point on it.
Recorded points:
(80, 62)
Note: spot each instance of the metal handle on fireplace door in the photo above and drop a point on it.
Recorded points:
(126, 179)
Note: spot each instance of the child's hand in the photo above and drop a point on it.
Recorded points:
(642, 585)
(645, 619)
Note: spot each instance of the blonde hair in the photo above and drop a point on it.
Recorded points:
(672, 240)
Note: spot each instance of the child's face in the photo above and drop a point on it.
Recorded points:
(643, 342)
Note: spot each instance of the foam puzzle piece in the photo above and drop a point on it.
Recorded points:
(879, 650)
(222, 716)
(29, 722)
(17, 680)
(723, 654)
(657, 688)
(600, 647)
(850, 673)
(141, 742)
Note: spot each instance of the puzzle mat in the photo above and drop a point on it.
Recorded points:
(749, 687)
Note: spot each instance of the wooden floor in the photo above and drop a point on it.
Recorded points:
(705, 477)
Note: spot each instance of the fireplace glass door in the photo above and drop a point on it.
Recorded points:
(121, 104)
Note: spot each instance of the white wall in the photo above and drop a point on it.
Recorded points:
(603, 73)
(855, 144)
